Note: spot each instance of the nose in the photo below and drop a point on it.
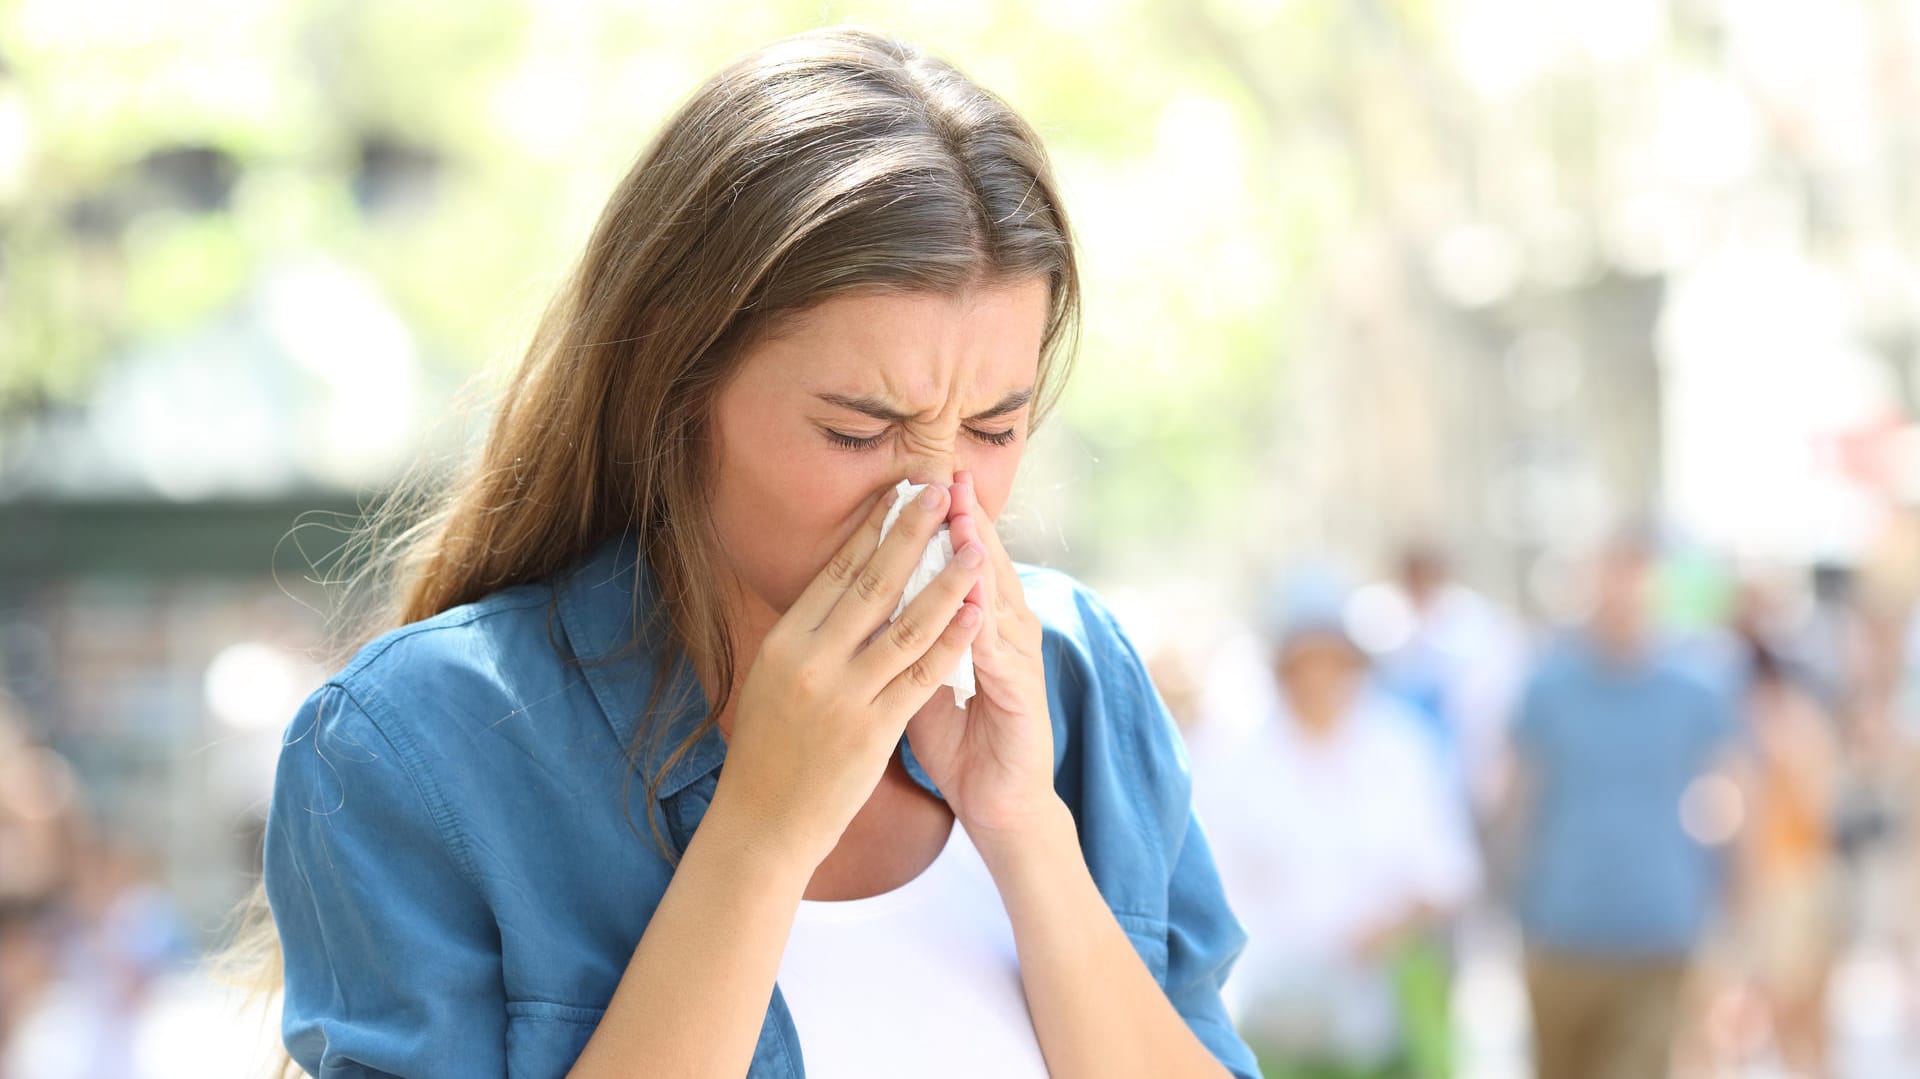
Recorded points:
(943, 478)
(932, 452)
(932, 468)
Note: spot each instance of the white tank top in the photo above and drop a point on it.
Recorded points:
(922, 980)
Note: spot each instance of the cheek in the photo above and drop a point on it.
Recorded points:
(783, 502)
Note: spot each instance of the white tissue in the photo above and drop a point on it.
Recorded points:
(939, 552)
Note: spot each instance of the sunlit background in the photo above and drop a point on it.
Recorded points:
(1496, 277)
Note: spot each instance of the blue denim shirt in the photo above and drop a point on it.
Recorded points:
(460, 864)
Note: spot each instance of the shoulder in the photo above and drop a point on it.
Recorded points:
(1075, 621)
(470, 637)
(445, 691)
(1707, 702)
(1562, 666)
(1119, 762)
(464, 656)
(1561, 657)
(491, 655)
(1690, 673)
(1061, 600)
(1110, 725)
(1095, 674)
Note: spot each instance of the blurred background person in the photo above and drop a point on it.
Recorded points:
(1786, 913)
(38, 849)
(1907, 718)
(1452, 655)
(115, 937)
(1833, 643)
(1616, 891)
(85, 932)
(1343, 849)
(1908, 714)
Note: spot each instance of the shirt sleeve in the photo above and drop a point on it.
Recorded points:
(1203, 940)
(391, 957)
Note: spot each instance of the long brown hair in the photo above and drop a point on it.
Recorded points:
(824, 162)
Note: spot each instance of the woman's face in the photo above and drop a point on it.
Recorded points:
(841, 402)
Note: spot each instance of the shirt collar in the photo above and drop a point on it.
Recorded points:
(607, 605)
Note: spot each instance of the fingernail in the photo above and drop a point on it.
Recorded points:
(972, 555)
(930, 497)
(969, 614)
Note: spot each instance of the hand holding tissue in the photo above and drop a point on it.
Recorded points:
(939, 552)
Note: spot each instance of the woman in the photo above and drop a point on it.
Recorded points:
(840, 266)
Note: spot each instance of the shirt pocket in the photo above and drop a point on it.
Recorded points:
(544, 1038)
(1148, 935)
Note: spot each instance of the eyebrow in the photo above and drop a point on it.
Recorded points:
(881, 409)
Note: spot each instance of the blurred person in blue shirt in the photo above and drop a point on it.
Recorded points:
(1617, 743)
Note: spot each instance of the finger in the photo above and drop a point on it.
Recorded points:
(869, 599)
(912, 634)
(966, 531)
(837, 575)
(987, 645)
(1009, 629)
(964, 521)
(916, 685)
(1004, 591)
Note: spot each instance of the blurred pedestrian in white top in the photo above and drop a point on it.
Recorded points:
(1337, 834)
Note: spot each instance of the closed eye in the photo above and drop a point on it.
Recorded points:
(856, 442)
